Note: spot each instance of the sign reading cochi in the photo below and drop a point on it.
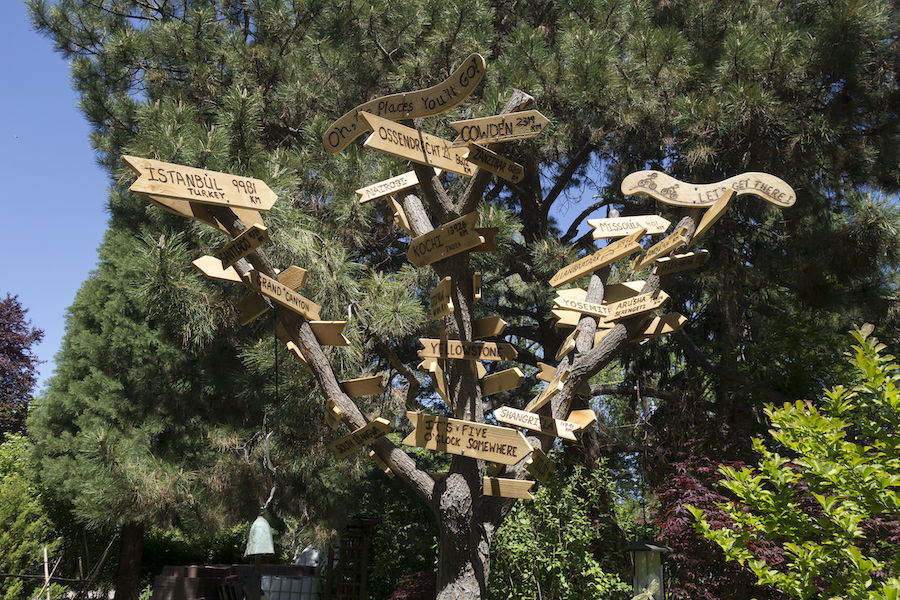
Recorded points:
(456, 236)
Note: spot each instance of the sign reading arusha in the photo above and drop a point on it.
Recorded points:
(361, 437)
(537, 423)
(494, 163)
(284, 296)
(500, 128)
(426, 149)
(679, 262)
(456, 236)
(198, 185)
(636, 305)
(599, 259)
(408, 105)
(254, 237)
(464, 438)
(467, 350)
(619, 226)
(669, 190)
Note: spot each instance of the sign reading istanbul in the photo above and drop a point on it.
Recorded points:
(621, 226)
(464, 438)
(456, 236)
(408, 105)
(669, 190)
(426, 149)
(198, 185)
(467, 350)
(500, 128)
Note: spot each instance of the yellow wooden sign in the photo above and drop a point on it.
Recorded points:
(467, 350)
(255, 305)
(624, 289)
(332, 414)
(508, 488)
(381, 464)
(669, 190)
(494, 163)
(251, 239)
(330, 333)
(200, 212)
(678, 238)
(659, 326)
(568, 344)
(420, 147)
(408, 105)
(680, 262)
(554, 386)
(456, 236)
(500, 128)
(400, 217)
(606, 256)
(364, 386)
(582, 419)
(388, 186)
(198, 185)
(482, 328)
(580, 306)
(540, 466)
(636, 305)
(295, 352)
(212, 268)
(501, 381)
(536, 423)
(713, 214)
(284, 295)
(620, 226)
(464, 438)
(440, 301)
(361, 437)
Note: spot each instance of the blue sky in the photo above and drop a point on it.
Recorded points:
(54, 194)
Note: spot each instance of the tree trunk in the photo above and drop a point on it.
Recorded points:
(128, 580)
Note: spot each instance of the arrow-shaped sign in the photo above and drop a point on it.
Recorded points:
(679, 262)
(494, 163)
(606, 256)
(467, 350)
(248, 241)
(364, 386)
(636, 305)
(408, 105)
(384, 188)
(440, 302)
(361, 437)
(620, 226)
(464, 438)
(713, 214)
(420, 147)
(200, 212)
(198, 185)
(540, 466)
(283, 295)
(452, 238)
(501, 381)
(663, 247)
(500, 128)
(537, 423)
(669, 190)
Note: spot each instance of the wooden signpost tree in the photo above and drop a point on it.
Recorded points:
(491, 466)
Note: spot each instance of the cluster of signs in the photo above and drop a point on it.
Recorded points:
(186, 191)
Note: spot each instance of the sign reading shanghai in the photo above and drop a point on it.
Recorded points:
(198, 185)
(501, 445)
(408, 105)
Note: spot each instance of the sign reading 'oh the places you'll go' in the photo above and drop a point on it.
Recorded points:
(476, 440)
(408, 105)
(198, 185)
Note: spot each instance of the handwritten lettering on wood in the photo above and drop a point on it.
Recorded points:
(606, 256)
(440, 302)
(536, 423)
(361, 437)
(198, 185)
(580, 306)
(500, 128)
(540, 466)
(669, 190)
(680, 262)
(678, 238)
(408, 105)
(636, 305)
(620, 226)
(467, 350)
(248, 241)
(456, 236)
(284, 295)
(464, 438)
(494, 163)
(420, 147)
(388, 186)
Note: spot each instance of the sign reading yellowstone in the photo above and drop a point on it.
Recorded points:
(467, 350)
(501, 445)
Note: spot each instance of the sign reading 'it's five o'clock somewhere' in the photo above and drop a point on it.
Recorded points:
(464, 438)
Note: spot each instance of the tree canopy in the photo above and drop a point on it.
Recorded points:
(18, 365)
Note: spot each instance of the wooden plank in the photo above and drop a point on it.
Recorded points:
(546, 372)
(508, 488)
(293, 277)
(582, 419)
(201, 212)
(669, 190)
(568, 344)
(467, 350)
(248, 241)
(625, 289)
(400, 217)
(212, 268)
(381, 464)
(198, 185)
(364, 386)
(620, 226)
(456, 236)
(580, 306)
(494, 163)
(420, 147)
(536, 423)
(298, 356)
(619, 249)
(713, 214)
(500, 128)
(283, 295)
(554, 386)
(464, 438)
(396, 184)
(361, 437)
(332, 414)
(502, 381)
(255, 305)
(488, 327)
(330, 333)
(678, 238)
(440, 302)
(476, 287)
(659, 326)
(637, 305)
(408, 105)
(540, 466)
(680, 262)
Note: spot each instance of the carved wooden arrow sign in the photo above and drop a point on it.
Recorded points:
(680, 262)
(663, 247)
(507, 488)
(198, 185)
(364, 386)
(251, 239)
(500, 128)
(212, 268)
(540, 466)
(580, 306)
(361, 437)
(669, 190)
(636, 305)
(420, 147)
(200, 212)
(467, 350)
(464, 438)
(713, 214)
(283, 295)
(255, 305)
(408, 105)
(606, 256)
(452, 238)
(501, 381)
(621, 226)
(494, 163)
(536, 423)
(388, 186)
(440, 303)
